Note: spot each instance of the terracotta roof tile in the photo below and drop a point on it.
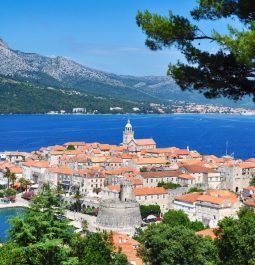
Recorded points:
(246, 165)
(160, 174)
(190, 197)
(149, 191)
(185, 176)
(207, 232)
(149, 141)
(128, 246)
(150, 160)
(199, 169)
(249, 188)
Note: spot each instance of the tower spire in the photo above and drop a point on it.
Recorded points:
(128, 134)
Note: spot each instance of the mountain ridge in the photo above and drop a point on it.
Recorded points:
(65, 73)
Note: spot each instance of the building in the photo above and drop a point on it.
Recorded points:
(248, 191)
(187, 203)
(152, 178)
(128, 246)
(237, 174)
(128, 134)
(209, 207)
(136, 145)
(203, 176)
(153, 195)
(120, 214)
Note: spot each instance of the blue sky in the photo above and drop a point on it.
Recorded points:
(101, 34)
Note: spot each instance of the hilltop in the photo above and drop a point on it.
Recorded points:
(60, 82)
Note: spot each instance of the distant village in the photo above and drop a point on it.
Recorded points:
(173, 107)
(207, 188)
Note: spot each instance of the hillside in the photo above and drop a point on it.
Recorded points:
(60, 72)
(26, 97)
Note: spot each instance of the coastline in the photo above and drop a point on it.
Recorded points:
(20, 203)
(133, 114)
(206, 133)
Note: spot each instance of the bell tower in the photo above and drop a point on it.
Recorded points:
(128, 133)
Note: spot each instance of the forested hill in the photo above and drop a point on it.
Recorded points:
(32, 77)
(26, 97)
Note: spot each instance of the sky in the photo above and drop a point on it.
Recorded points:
(100, 34)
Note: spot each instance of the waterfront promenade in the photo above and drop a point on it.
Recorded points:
(20, 202)
(74, 217)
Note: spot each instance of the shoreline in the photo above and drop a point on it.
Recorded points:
(20, 203)
(125, 114)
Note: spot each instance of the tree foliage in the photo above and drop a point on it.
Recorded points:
(168, 185)
(195, 189)
(174, 242)
(9, 192)
(149, 209)
(70, 147)
(175, 218)
(252, 182)
(236, 239)
(230, 70)
(166, 245)
(39, 237)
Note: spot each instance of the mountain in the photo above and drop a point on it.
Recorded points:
(26, 97)
(61, 72)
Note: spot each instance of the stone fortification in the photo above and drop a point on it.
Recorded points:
(122, 214)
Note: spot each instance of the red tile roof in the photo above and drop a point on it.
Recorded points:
(160, 174)
(149, 191)
(199, 169)
(142, 142)
(207, 232)
(190, 197)
(128, 246)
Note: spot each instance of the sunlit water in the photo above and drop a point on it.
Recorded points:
(5, 215)
(209, 134)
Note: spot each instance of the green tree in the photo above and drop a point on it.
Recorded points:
(39, 237)
(84, 226)
(168, 185)
(149, 209)
(143, 169)
(236, 239)
(176, 218)
(70, 147)
(7, 175)
(77, 196)
(120, 259)
(13, 178)
(252, 182)
(59, 191)
(24, 183)
(230, 70)
(10, 192)
(96, 250)
(163, 244)
(195, 189)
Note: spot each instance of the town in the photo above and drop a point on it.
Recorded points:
(112, 182)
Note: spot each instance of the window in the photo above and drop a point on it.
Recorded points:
(145, 197)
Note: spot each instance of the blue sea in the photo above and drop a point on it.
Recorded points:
(209, 134)
(5, 215)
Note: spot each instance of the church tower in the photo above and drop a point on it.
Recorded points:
(128, 133)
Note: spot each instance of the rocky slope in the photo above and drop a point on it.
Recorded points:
(65, 73)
